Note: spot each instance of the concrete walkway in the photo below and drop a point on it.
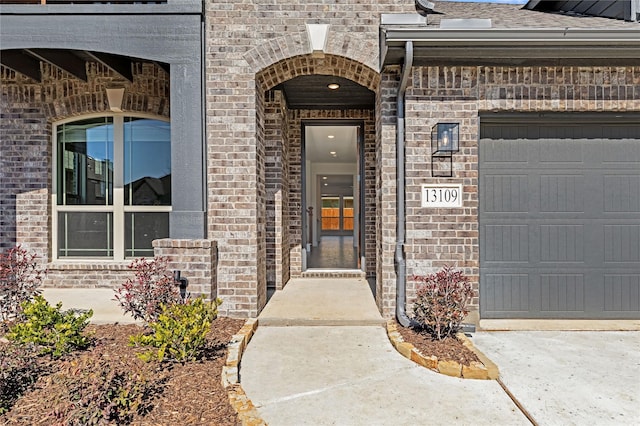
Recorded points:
(322, 301)
(313, 374)
(570, 377)
(105, 309)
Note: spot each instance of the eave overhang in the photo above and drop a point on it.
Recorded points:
(510, 47)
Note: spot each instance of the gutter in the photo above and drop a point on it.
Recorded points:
(508, 44)
(400, 261)
(502, 36)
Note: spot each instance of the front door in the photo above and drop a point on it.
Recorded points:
(331, 194)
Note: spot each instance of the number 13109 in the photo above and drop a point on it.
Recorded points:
(442, 196)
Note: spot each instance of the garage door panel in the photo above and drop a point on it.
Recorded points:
(506, 193)
(562, 193)
(506, 243)
(507, 152)
(626, 147)
(621, 193)
(562, 293)
(560, 233)
(621, 244)
(555, 151)
(507, 292)
(621, 292)
(562, 243)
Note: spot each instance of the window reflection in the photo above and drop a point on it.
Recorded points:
(89, 153)
(147, 162)
(85, 162)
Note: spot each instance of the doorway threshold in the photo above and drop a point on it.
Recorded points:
(333, 273)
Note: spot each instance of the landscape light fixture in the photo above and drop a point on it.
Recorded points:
(445, 140)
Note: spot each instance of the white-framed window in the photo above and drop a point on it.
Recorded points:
(111, 186)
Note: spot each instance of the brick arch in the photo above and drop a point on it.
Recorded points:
(343, 44)
(65, 98)
(338, 66)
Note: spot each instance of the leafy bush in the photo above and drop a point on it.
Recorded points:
(180, 331)
(93, 390)
(441, 302)
(20, 278)
(18, 371)
(152, 287)
(50, 330)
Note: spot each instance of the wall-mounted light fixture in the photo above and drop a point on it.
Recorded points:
(115, 95)
(445, 139)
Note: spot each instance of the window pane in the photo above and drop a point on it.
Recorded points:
(147, 162)
(85, 162)
(141, 229)
(330, 214)
(347, 213)
(85, 234)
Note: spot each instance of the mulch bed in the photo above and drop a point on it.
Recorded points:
(191, 394)
(449, 349)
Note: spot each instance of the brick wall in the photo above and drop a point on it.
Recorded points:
(28, 110)
(277, 183)
(269, 45)
(439, 236)
(197, 260)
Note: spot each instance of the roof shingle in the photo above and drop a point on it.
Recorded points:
(514, 16)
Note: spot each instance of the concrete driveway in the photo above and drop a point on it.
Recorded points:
(570, 377)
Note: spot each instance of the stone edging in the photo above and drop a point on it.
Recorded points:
(247, 412)
(485, 370)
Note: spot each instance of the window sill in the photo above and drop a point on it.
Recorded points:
(84, 264)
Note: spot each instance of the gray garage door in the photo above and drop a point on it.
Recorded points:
(560, 219)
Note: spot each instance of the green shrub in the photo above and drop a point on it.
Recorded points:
(180, 331)
(50, 330)
(441, 302)
(93, 390)
(18, 371)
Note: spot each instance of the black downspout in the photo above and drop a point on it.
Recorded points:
(400, 261)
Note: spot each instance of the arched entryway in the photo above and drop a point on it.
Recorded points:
(294, 99)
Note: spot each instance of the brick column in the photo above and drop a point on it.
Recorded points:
(197, 259)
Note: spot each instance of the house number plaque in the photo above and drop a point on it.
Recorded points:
(448, 196)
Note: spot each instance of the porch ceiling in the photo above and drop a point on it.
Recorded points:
(28, 62)
(312, 92)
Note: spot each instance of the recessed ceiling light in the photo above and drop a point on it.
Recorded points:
(333, 86)
(326, 184)
(324, 177)
(332, 152)
(331, 136)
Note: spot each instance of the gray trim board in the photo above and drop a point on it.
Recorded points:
(171, 7)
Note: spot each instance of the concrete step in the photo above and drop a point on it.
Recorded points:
(334, 273)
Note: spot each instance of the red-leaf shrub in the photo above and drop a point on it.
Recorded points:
(152, 287)
(441, 302)
(20, 278)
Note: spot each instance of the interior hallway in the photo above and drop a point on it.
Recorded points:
(334, 252)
